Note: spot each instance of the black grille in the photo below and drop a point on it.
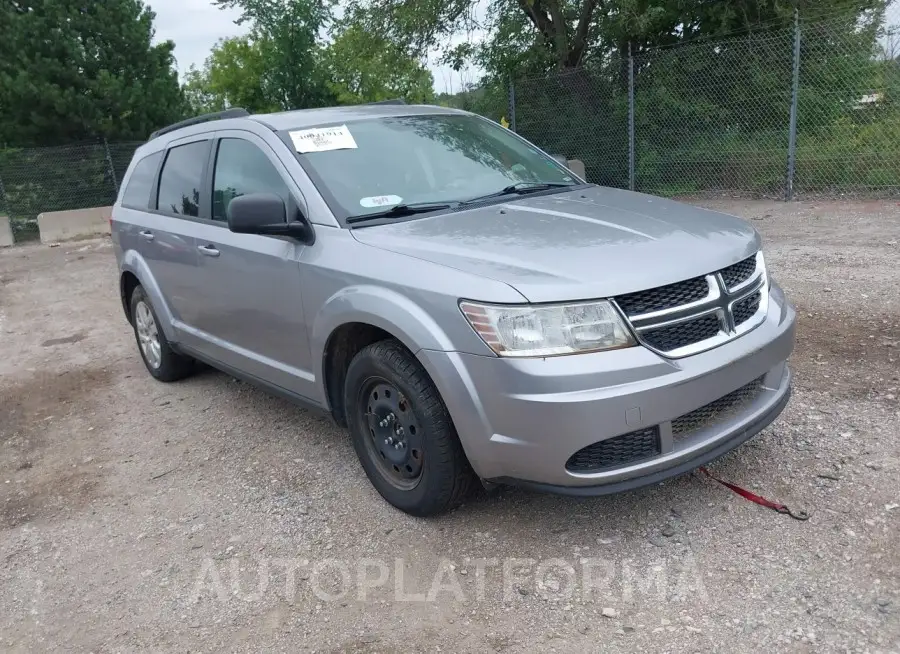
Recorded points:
(664, 297)
(739, 272)
(744, 309)
(673, 337)
(614, 452)
(717, 411)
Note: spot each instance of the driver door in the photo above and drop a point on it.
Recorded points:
(250, 313)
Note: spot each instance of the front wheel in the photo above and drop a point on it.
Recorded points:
(402, 432)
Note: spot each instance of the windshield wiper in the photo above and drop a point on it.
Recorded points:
(520, 188)
(400, 210)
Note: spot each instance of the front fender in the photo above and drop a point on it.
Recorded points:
(383, 308)
(134, 263)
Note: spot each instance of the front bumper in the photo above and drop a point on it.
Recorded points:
(520, 420)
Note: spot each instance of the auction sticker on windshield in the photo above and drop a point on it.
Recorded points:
(380, 201)
(321, 139)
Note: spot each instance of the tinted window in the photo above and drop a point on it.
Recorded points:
(182, 174)
(242, 168)
(137, 193)
(430, 158)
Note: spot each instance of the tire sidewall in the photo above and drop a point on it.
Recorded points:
(168, 364)
(362, 368)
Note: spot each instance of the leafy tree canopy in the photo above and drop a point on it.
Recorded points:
(285, 63)
(234, 75)
(362, 67)
(72, 70)
(287, 36)
(535, 36)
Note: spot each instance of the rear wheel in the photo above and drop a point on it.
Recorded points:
(160, 359)
(402, 432)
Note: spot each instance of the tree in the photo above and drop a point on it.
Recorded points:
(366, 68)
(539, 35)
(290, 48)
(235, 74)
(283, 65)
(72, 70)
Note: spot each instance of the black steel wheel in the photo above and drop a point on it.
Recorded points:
(402, 432)
(396, 437)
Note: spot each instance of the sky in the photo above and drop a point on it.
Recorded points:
(196, 25)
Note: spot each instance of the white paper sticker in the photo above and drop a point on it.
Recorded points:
(380, 201)
(320, 139)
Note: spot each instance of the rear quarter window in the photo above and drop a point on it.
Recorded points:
(140, 184)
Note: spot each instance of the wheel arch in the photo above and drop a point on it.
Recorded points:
(134, 272)
(128, 281)
(355, 318)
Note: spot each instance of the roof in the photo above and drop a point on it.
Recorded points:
(237, 112)
(312, 117)
(287, 120)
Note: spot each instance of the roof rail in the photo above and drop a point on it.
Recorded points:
(236, 112)
(397, 101)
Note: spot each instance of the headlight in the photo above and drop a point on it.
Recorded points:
(548, 330)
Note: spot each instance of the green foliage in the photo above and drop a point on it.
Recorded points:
(283, 64)
(366, 68)
(286, 33)
(234, 75)
(71, 71)
(531, 37)
(713, 114)
(580, 114)
(36, 180)
(488, 100)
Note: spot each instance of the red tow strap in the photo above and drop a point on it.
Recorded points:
(753, 497)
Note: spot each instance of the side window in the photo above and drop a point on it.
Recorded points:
(242, 168)
(182, 178)
(137, 193)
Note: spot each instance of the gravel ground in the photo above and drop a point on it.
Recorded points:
(206, 515)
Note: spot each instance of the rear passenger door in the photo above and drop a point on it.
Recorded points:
(164, 234)
(250, 311)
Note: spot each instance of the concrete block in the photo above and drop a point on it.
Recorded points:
(577, 167)
(6, 235)
(69, 225)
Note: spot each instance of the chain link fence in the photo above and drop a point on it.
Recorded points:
(848, 108)
(811, 110)
(36, 180)
(581, 114)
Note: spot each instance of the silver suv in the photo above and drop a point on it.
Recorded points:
(462, 302)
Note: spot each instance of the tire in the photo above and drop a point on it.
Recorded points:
(384, 379)
(161, 361)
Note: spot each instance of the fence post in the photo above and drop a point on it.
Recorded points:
(795, 92)
(631, 152)
(512, 104)
(112, 169)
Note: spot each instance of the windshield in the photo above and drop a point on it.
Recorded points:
(372, 165)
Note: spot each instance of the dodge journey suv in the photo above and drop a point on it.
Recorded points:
(467, 306)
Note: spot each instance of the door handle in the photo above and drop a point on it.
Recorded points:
(208, 250)
(147, 235)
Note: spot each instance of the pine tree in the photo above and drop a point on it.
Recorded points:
(74, 70)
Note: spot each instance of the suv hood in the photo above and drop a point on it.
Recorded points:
(589, 243)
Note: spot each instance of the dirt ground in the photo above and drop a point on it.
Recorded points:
(206, 515)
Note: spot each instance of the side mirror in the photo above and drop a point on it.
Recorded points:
(265, 214)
